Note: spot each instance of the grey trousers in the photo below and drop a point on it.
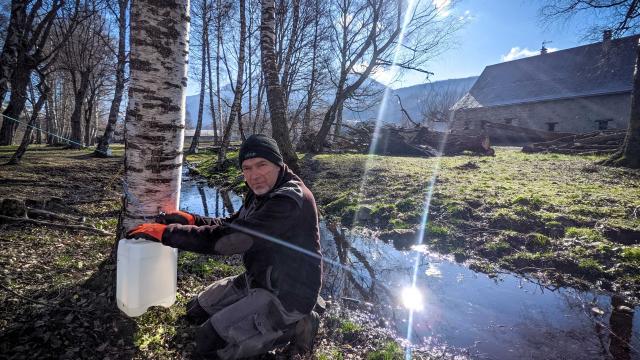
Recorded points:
(249, 320)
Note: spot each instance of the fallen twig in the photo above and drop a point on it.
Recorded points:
(64, 226)
(6, 288)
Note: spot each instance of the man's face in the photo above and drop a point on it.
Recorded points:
(261, 174)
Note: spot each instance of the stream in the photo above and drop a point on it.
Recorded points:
(454, 308)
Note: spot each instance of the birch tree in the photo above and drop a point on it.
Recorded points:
(156, 111)
(275, 95)
(237, 96)
(201, 10)
(28, 36)
(103, 146)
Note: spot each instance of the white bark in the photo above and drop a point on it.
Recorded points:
(156, 111)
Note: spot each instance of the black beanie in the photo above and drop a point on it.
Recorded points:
(259, 145)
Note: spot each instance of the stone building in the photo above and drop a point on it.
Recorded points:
(576, 90)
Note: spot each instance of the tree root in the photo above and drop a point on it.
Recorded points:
(64, 226)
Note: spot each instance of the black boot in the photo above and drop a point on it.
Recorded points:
(305, 333)
(208, 342)
(195, 312)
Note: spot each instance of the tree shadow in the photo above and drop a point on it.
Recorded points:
(80, 321)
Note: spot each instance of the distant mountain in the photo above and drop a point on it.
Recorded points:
(413, 100)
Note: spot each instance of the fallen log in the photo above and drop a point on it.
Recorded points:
(512, 134)
(63, 226)
(454, 143)
(598, 142)
(418, 141)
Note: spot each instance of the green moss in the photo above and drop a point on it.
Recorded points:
(329, 354)
(584, 233)
(388, 351)
(349, 327)
(590, 267)
(497, 248)
(631, 254)
(399, 224)
(532, 201)
(406, 205)
(337, 206)
(538, 241)
(437, 230)
(204, 266)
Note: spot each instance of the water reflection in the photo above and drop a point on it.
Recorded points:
(501, 318)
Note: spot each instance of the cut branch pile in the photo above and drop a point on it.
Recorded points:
(598, 142)
(511, 134)
(418, 141)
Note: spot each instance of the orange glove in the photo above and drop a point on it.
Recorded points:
(151, 232)
(178, 217)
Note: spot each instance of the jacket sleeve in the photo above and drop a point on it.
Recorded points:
(200, 239)
(202, 220)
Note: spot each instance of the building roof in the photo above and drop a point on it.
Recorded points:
(595, 69)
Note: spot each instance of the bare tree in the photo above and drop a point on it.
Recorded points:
(26, 138)
(275, 96)
(103, 146)
(237, 96)
(375, 35)
(155, 124)
(85, 57)
(31, 27)
(201, 12)
(621, 17)
(435, 105)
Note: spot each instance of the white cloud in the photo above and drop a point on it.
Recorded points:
(518, 53)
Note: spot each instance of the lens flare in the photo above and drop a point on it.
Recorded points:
(412, 298)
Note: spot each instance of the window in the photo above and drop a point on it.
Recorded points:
(551, 126)
(603, 124)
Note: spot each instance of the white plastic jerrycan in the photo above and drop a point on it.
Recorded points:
(146, 275)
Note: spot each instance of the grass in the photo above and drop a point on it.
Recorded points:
(526, 211)
(388, 351)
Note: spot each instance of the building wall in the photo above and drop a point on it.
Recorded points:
(578, 115)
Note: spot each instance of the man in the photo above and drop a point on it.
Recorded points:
(276, 230)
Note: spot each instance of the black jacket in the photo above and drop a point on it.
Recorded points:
(283, 253)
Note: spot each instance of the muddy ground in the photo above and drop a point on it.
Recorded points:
(57, 289)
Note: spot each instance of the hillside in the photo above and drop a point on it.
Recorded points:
(411, 96)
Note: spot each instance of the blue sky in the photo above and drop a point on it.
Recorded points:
(494, 29)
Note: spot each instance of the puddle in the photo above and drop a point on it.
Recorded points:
(506, 317)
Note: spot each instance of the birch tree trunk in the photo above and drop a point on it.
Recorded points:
(195, 140)
(306, 122)
(156, 111)
(103, 146)
(211, 107)
(237, 96)
(275, 96)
